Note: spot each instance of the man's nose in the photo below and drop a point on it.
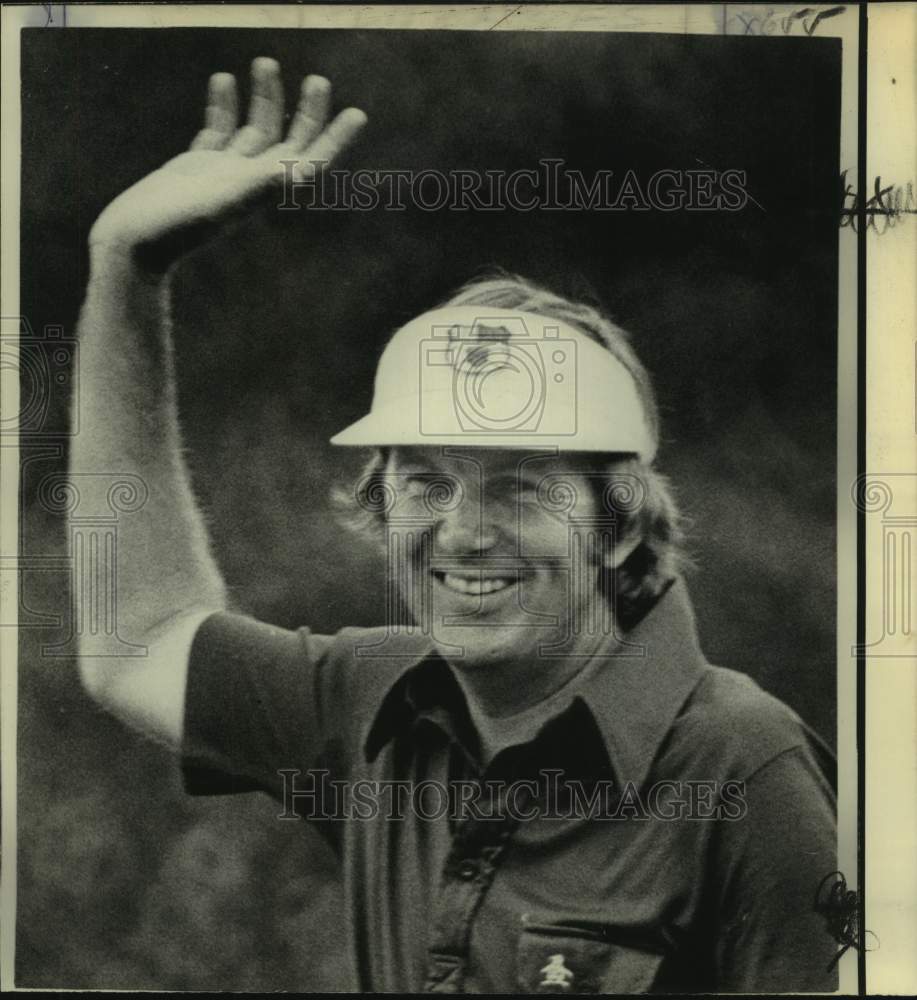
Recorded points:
(465, 531)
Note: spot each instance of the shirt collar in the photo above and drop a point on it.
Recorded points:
(634, 691)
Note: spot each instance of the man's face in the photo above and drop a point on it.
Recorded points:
(497, 554)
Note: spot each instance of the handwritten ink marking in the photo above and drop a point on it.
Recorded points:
(883, 210)
(504, 18)
(809, 23)
(752, 22)
(755, 24)
(48, 9)
(787, 22)
(840, 906)
(822, 15)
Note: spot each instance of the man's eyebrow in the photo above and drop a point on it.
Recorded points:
(527, 476)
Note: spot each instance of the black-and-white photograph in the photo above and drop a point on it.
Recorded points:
(429, 545)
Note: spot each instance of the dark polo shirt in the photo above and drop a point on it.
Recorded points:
(667, 829)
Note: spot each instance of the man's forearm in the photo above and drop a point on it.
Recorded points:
(167, 581)
(128, 396)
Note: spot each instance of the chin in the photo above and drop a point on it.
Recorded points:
(481, 652)
(472, 658)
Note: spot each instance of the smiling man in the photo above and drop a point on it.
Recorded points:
(621, 816)
(521, 524)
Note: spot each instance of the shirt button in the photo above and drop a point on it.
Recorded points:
(468, 870)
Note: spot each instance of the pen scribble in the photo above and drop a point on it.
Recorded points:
(805, 14)
(883, 210)
(840, 906)
(49, 14)
(756, 21)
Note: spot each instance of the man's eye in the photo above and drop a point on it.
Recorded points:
(510, 492)
(528, 497)
(510, 485)
(414, 487)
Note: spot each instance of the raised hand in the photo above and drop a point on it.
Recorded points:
(228, 169)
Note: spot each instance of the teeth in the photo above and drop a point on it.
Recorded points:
(476, 587)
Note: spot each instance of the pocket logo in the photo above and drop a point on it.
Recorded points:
(556, 973)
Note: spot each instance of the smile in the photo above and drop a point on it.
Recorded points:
(476, 584)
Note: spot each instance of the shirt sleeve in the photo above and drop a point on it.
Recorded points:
(772, 935)
(260, 700)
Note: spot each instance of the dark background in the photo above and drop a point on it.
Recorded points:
(126, 882)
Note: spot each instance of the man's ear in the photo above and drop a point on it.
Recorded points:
(621, 549)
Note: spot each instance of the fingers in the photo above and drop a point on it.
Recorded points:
(311, 114)
(308, 133)
(265, 111)
(334, 139)
(222, 104)
(221, 115)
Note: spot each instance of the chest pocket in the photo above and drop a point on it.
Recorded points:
(563, 959)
